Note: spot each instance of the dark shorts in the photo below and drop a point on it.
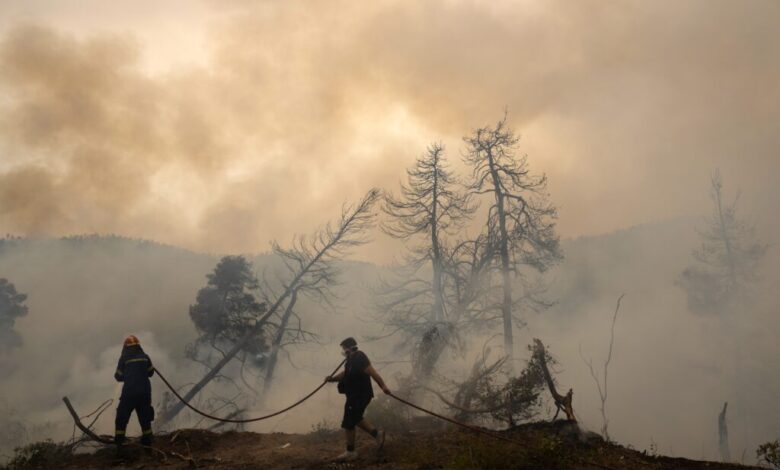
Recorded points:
(353, 410)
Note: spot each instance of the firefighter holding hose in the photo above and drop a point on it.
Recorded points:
(134, 370)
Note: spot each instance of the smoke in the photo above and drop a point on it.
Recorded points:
(671, 370)
(295, 107)
(302, 105)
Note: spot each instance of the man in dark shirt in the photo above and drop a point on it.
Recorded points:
(134, 370)
(355, 382)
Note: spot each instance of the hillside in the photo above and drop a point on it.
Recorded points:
(671, 372)
(539, 445)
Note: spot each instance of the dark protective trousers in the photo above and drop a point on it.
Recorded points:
(142, 405)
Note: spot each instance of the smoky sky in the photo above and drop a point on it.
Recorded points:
(287, 109)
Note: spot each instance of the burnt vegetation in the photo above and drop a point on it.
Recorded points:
(477, 246)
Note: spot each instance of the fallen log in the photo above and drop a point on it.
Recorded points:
(88, 432)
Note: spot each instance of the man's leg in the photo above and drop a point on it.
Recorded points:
(349, 434)
(145, 416)
(377, 434)
(367, 427)
(348, 424)
(123, 411)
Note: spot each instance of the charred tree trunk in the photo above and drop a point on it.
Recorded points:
(520, 217)
(723, 435)
(436, 261)
(717, 184)
(429, 350)
(506, 305)
(272, 359)
(562, 402)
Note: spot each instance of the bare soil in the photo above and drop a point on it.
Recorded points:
(557, 445)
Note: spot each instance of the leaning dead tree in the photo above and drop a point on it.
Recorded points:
(310, 260)
(562, 402)
(723, 435)
(316, 286)
(521, 217)
(278, 341)
(602, 386)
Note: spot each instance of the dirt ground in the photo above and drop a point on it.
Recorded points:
(537, 446)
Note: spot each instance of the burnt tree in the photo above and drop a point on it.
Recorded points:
(601, 386)
(723, 435)
(430, 206)
(562, 402)
(520, 215)
(310, 259)
(726, 261)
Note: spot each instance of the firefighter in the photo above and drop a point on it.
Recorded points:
(134, 370)
(355, 382)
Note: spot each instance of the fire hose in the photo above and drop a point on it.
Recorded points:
(276, 413)
(469, 427)
(248, 420)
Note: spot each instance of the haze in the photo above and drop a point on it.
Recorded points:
(215, 127)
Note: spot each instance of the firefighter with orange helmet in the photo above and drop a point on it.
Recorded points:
(134, 370)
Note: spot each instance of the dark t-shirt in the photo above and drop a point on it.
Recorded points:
(356, 381)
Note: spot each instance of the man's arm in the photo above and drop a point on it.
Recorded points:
(119, 375)
(150, 370)
(335, 378)
(378, 378)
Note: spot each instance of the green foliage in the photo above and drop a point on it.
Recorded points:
(44, 454)
(769, 453)
(226, 309)
(11, 307)
(512, 402)
(523, 393)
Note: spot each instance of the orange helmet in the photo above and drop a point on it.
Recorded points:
(131, 341)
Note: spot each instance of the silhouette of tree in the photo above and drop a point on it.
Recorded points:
(11, 307)
(520, 217)
(727, 261)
